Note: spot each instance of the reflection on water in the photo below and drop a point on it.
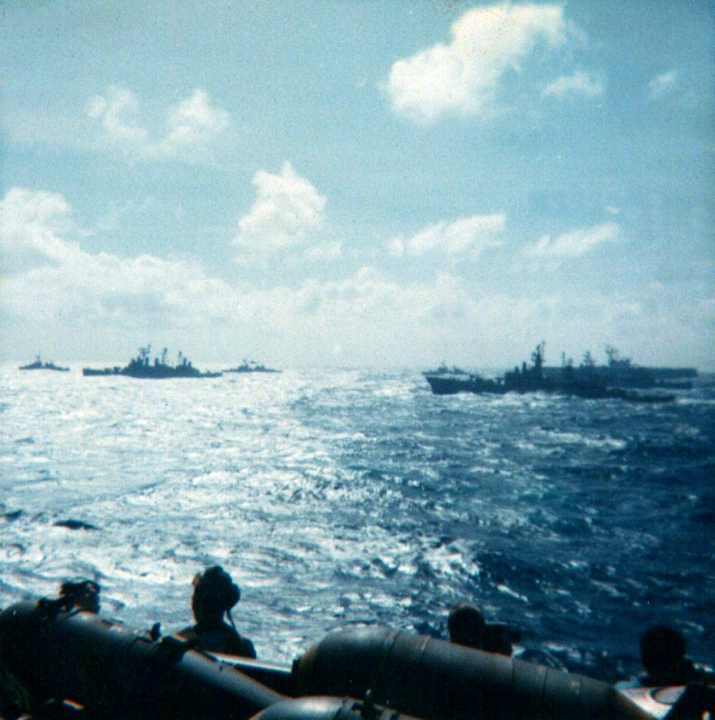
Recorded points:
(348, 497)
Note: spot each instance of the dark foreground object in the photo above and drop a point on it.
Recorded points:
(108, 671)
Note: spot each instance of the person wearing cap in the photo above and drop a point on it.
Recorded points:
(214, 595)
(664, 658)
(466, 626)
(81, 594)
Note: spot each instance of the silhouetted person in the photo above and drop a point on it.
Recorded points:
(466, 626)
(215, 594)
(80, 595)
(663, 654)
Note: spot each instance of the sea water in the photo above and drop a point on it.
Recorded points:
(345, 497)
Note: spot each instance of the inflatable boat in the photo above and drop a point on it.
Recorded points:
(72, 663)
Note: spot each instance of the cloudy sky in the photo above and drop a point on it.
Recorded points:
(358, 183)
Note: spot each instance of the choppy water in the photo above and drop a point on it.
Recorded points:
(347, 497)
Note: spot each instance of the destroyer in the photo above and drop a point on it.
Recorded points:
(142, 367)
(584, 381)
(39, 365)
(251, 366)
(623, 373)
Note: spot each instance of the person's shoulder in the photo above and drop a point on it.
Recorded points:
(241, 646)
(249, 650)
(188, 633)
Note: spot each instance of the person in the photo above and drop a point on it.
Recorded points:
(664, 657)
(80, 595)
(466, 626)
(214, 595)
(665, 663)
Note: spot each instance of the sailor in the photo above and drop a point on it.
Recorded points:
(214, 595)
(663, 654)
(466, 626)
(80, 595)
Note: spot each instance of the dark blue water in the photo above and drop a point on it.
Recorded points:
(349, 497)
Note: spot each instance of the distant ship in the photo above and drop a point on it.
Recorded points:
(448, 381)
(585, 381)
(251, 366)
(39, 365)
(621, 372)
(143, 368)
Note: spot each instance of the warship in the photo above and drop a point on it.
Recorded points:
(39, 365)
(622, 372)
(251, 366)
(143, 368)
(585, 381)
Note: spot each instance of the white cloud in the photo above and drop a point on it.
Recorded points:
(62, 279)
(90, 304)
(396, 247)
(324, 253)
(463, 76)
(580, 83)
(116, 111)
(574, 243)
(31, 225)
(469, 235)
(662, 84)
(193, 122)
(286, 209)
(192, 125)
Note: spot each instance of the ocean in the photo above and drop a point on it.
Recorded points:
(344, 497)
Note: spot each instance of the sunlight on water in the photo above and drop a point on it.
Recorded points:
(348, 497)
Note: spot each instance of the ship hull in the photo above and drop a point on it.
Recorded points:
(452, 385)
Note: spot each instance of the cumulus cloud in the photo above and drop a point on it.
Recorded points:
(61, 278)
(469, 235)
(287, 208)
(580, 83)
(86, 302)
(574, 243)
(462, 77)
(193, 122)
(31, 228)
(191, 126)
(662, 84)
(116, 111)
(324, 252)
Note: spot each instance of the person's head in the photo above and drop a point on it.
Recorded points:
(466, 626)
(81, 594)
(215, 593)
(663, 650)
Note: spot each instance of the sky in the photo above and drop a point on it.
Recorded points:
(358, 183)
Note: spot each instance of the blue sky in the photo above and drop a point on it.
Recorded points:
(358, 183)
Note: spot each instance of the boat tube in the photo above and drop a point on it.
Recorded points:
(63, 654)
(117, 673)
(439, 680)
(328, 708)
